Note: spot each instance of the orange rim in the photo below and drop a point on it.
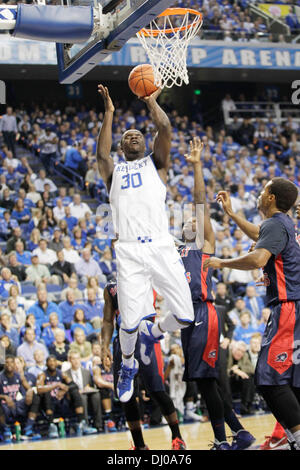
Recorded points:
(173, 12)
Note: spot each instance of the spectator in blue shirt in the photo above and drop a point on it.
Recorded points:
(7, 330)
(42, 308)
(254, 304)
(71, 221)
(245, 330)
(30, 323)
(93, 309)
(79, 321)
(265, 315)
(23, 257)
(20, 213)
(7, 224)
(68, 308)
(49, 331)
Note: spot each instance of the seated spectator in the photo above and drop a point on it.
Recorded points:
(7, 224)
(107, 265)
(40, 182)
(7, 345)
(254, 304)
(75, 159)
(59, 348)
(45, 231)
(59, 210)
(11, 243)
(78, 209)
(39, 273)
(245, 330)
(222, 297)
(48, 332)
(23, 256)
(89, 394)
(7, 330)
(6, 281)
(14, 292)
(17, 269)
(92, 283)
(16, 313)
(87, 266)
(241, 375)
(70, 254)
(78, 241)
(34, 240)
(236, 312)
(50, 218)
(72, 285)
(62, 268)
(30, 323)
(6, 201)
(93, 309)
(26, 350)
(42, 308)
(56, 243)
(69, 219)
(32, 194)
(81, 346)
(238, 280)
(45, 255)
(79, 321)
(21, 213)
(40, 363)
(265, 315)
(68, 308)
(254, 348)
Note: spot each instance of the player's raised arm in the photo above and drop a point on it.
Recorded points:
(162, 140)
(208, 244)
(107, 325)
(251, 230)
(105, 162)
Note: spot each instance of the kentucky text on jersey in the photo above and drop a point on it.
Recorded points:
(199, 280)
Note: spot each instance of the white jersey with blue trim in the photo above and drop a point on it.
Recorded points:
(137, 199)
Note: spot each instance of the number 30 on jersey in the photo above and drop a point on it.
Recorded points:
(132, 181)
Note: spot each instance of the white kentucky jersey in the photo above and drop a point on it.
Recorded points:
(137, 199)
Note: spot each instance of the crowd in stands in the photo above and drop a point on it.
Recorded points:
(229, 20)
(54, 244)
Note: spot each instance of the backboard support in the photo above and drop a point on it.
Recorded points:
(123, 19)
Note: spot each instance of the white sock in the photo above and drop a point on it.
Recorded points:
(127, 342)
(169, 323)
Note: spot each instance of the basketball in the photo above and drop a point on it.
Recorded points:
(141, 80)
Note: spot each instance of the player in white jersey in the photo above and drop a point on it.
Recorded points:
(145, 251)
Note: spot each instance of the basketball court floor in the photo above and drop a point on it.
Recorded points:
(197, 437)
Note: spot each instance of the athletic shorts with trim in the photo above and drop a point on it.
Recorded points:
(144, 266)
(279, 358)
(200, 343)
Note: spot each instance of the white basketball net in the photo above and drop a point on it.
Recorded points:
(166, 45)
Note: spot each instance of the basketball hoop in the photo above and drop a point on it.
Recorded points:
(165, 42)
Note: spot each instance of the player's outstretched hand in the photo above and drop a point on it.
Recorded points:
(212, 263)
(103, 90)
(152, 97)
(196, 147)
(224, 199)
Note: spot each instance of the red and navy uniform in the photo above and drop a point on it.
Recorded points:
(278, 359)
(12, 386)
(200, 341)
(152, 374)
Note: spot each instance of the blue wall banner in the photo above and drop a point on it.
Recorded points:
(201, 54)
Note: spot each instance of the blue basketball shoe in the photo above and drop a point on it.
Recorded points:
(126, 381)
(220, 445)
(147, 340)
(7, 435)
(242, 440)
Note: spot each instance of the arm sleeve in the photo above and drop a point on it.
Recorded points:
(272, 237)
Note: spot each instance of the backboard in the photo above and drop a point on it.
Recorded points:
(119, 19)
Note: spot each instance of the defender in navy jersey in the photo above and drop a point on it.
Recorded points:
(15, 403)
(61, 396)
(278, 253)
(152, 374)
(200, 341)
